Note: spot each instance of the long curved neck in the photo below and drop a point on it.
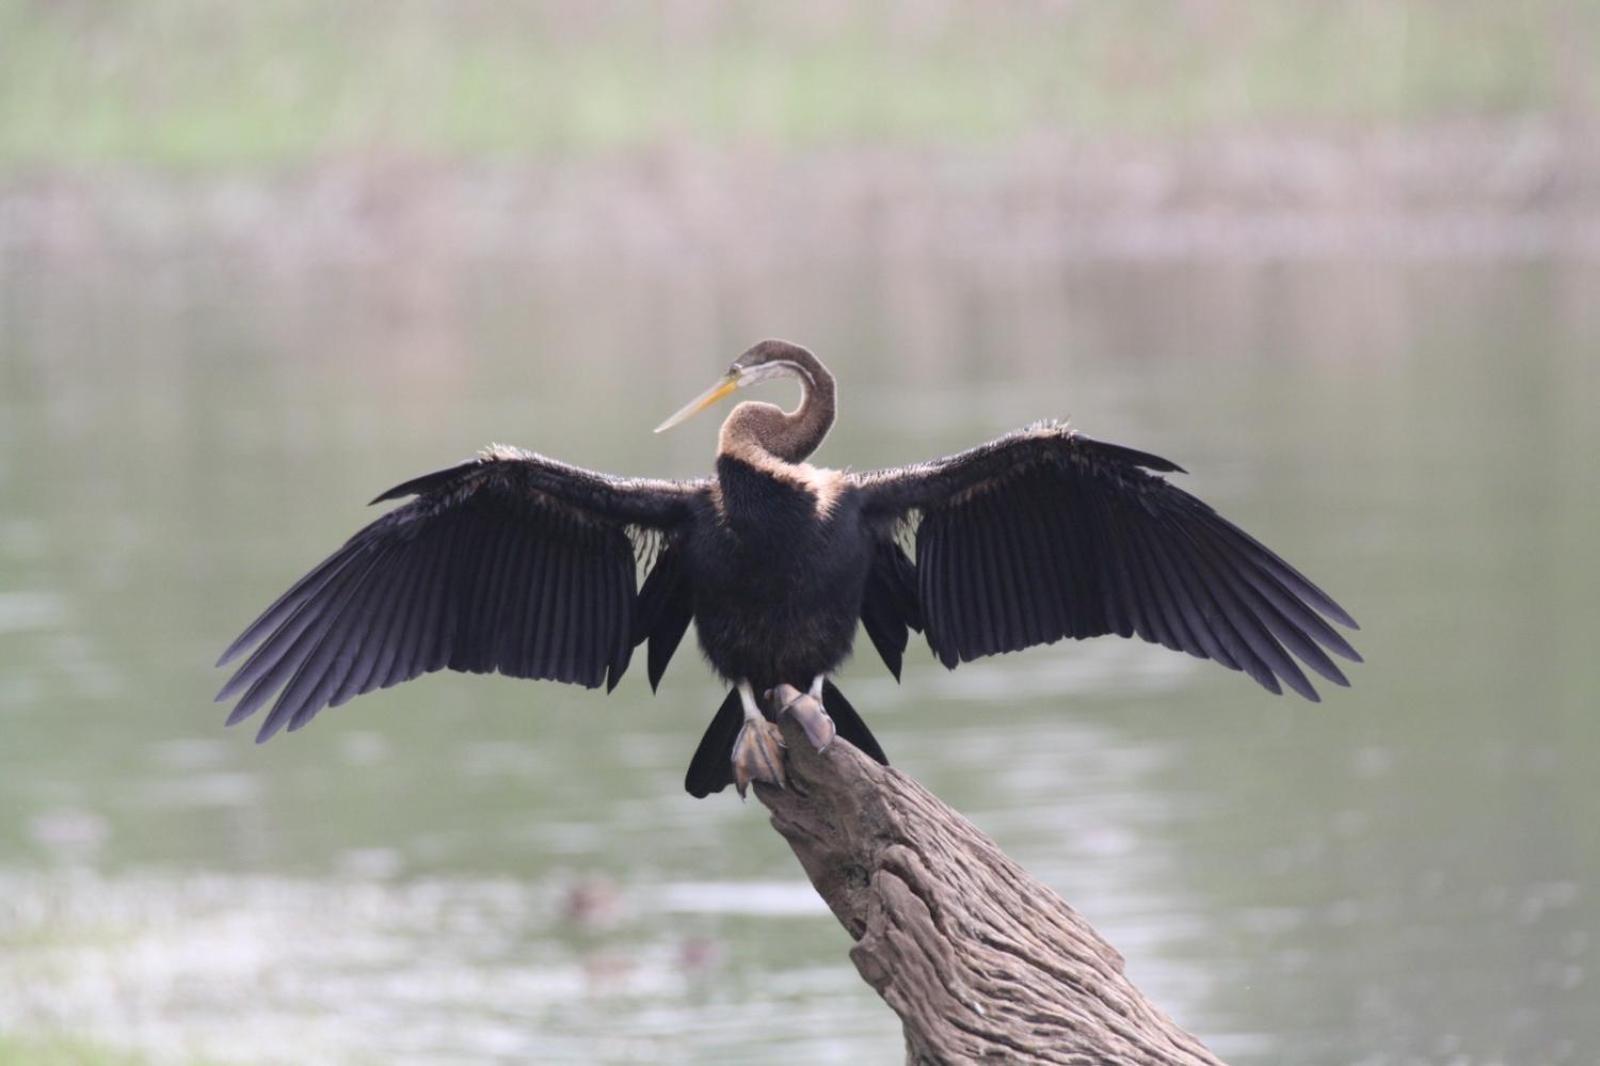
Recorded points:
(805, 427)
(790, 436)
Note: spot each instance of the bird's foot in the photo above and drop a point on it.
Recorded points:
(806, 708)
(758, 755)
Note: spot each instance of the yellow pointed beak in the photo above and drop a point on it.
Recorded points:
(701, 402)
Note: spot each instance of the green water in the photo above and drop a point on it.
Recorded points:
(472, 869)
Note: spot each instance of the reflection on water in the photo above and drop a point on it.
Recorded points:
(480, 970)
(477, 869)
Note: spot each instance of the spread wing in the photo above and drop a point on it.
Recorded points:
(509, 562)
(1045, 533)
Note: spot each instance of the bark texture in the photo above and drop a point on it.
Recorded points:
(982, 962)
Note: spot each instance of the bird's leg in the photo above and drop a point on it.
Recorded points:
(758, 750)
(806, 708)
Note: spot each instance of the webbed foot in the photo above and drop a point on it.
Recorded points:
(806, 708)
(758, 755)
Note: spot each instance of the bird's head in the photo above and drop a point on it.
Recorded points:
(761, 362)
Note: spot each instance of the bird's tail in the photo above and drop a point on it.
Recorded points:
(849, 723)
(711, 769)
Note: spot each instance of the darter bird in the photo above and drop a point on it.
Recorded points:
(516, 563)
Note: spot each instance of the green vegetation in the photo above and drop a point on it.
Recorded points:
(208, 83)
(62, 1052)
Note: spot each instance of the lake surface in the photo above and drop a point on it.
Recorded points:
(471, 869)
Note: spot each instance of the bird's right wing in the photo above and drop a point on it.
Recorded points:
(1045, 533)
(509, 562)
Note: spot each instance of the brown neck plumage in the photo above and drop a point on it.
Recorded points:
(789, 436)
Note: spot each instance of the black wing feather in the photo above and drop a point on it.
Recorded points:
(665, 609)
(510, 563)
(889, 603)
(1045, 534)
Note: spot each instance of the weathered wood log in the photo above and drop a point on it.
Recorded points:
(981, 961)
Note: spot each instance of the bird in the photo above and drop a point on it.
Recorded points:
(515, 563)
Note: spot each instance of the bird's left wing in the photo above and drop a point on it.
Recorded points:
(508, 562)
(1045, 533)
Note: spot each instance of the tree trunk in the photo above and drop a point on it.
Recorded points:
(982, 962)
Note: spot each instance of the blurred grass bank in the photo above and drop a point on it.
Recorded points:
(208, 84)
(434, 130)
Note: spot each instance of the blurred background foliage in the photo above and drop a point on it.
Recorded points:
(259, 261)
(207, 83)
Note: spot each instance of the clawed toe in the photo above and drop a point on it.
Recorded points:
(807, 710)
(758, 756)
